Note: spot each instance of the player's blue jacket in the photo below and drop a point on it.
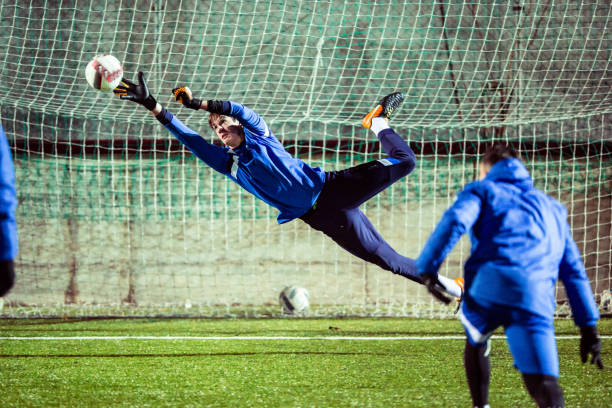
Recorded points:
(521, 245)
(8, 202)
(260, 165)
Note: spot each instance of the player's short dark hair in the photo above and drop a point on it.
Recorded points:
(498, 151)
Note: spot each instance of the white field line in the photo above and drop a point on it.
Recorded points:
(220, 338)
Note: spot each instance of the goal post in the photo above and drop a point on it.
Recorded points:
(116, 217)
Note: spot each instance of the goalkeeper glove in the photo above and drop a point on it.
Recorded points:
(183, 95)
(7, 276)
(138, 93)
(590, 344)
(434, 286)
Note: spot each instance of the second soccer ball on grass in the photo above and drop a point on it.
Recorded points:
(294, 300)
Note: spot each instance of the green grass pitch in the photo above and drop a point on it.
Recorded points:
(310, 371)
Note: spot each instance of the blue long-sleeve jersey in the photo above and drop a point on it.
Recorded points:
(8, 202)
(260, 165)
(521, 245)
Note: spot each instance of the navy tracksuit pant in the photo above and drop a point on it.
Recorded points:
(336, 212)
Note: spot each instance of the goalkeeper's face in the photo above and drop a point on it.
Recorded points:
(229, 130)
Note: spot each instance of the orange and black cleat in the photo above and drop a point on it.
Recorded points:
(384, 109)
(461, 283)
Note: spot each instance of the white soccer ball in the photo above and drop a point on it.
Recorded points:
(294, 300)
(104, 72)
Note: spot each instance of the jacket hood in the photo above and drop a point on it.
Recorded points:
(510, 171)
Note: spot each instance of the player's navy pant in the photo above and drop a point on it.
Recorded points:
(336, 211)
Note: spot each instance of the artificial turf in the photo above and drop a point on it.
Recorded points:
(311, 371)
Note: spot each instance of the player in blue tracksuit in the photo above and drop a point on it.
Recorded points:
(327, 201)
(8, 222)
(521, 245)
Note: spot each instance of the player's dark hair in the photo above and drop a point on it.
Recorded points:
(498, 151)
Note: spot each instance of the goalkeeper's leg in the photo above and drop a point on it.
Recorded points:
(352, 230)
(354, 186)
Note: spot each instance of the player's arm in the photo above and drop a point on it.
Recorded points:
(8, 222)
(455, 222)
(582, 302)
(215, 156)
(245, 115)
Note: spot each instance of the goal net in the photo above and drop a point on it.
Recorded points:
(116, 217)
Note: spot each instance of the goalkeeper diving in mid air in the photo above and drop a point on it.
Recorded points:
(328, 201)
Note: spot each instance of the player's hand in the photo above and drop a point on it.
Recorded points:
(590, 344)
(7, 276)
(138, 93)
(183, 95)
(434, 287)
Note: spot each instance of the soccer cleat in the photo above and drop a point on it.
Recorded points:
(384, 109)
(461, 283)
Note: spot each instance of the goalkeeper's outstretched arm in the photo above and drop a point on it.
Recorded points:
(245, 115)
(214, 156)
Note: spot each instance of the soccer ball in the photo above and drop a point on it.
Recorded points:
(294, 300)
(104, 72)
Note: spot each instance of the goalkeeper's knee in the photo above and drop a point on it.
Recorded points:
(7, 276)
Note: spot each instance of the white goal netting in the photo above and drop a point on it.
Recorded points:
(116, 217)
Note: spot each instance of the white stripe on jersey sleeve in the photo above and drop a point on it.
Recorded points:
(234, 170)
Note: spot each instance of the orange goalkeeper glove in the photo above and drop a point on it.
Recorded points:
(183, 95)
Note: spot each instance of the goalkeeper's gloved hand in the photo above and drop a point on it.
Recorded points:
(435, 287)
(138, 93)
(590, 344)
(183, 95)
